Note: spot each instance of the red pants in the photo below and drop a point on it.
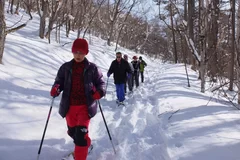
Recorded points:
(78, 120)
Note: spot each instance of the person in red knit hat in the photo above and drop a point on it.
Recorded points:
(82, 85)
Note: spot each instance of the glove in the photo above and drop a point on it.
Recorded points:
(55, 90)
(129, 75)
(108, 74)
(96, 95)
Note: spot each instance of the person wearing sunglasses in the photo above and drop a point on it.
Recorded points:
(82, 85)
(120, 69)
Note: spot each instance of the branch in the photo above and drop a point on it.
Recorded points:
(66, 44)
(230, 99)
(15, 29)
(189, 41)
(61, 24)
(15, 23)
(173, 114)
(222, 85)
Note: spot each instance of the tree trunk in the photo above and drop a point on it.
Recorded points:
(50, 26)
(212, 41)
(238, 51)
(78, 33)
(42, 27)
(203, 49)
(109, 39)
(29, 13)
(2, 29)
(17, 7)
(191, 8)
(43, 19)
(184, 56)
(123, 23)
(231, 69)
(11, 8)
(112, 21)
(92, 18)
(59, 34)
(173, 34)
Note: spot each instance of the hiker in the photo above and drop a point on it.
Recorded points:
(136, 66)
(119, 67)
(142, 65)
(82, 84)
(128, 80)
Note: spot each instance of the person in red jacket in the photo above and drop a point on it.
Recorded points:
(82, 84)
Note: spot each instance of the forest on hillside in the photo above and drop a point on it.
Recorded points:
(201, 33)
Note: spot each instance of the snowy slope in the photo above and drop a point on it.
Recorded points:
(163, 119)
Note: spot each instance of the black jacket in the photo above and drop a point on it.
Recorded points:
(119, 71)
(93, 80)
(136, 66)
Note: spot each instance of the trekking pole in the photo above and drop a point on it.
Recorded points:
(106, 127)
(106, 87)
(45, 128)
(148, 75)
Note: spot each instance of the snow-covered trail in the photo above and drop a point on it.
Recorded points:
(195, 125)
(163, 120)
(136, 129)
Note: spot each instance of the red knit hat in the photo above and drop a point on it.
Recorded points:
(80, 45)
(135, 57)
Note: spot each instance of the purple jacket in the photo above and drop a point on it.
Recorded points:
(93, 80)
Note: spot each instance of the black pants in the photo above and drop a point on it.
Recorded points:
(135, 78)
(142, 77)
(129, 83)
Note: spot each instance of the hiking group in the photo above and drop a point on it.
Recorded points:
(126, 74)
(82, 85)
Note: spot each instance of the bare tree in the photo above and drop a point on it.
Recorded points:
(11, 6)
(69, 18)
(92, 16)
(29, 4)
(148, 29)
(238, 50)
(203, 22)
(123, 23)
(2, 29)
(42, 12)
(231, 67)
(81, 15)
(113, 14)
(213, 40)
(54, 10)
(17, 6)
(190, 20)
(173, 33)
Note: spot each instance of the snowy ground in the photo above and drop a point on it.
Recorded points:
(163, 119)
